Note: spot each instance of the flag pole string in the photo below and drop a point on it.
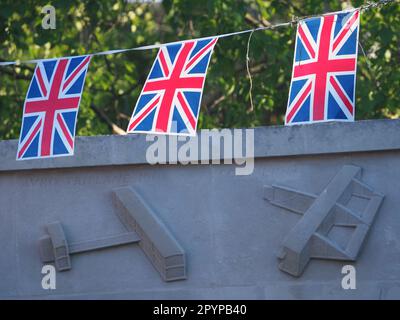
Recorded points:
(249, 73)
(293, 22)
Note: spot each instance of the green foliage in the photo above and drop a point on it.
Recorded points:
(115, 81)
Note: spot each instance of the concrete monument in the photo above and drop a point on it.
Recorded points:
(321, 197)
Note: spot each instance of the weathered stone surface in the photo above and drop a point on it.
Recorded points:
(229, 233)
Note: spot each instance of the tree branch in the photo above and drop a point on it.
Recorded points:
(255, 22)
(115, 129)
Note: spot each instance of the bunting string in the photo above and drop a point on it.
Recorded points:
(322, 86)
(293, 22)
(249, 73)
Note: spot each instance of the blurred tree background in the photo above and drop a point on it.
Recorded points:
(115, 81)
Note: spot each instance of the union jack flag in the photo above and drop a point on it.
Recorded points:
(51, 108)
(324, 69)
(170, 99)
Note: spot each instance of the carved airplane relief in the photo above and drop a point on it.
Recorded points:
(311, 236)
(143, 227)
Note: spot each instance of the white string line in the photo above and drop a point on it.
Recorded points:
(366, 57)
(249, 73)
(294, 21)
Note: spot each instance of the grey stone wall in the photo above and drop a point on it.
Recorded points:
(230, 234)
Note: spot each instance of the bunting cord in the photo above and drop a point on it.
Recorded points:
(293, 22)
(366, 57)
(249, 73)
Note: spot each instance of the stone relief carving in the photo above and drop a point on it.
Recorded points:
(322, 216)
(143, 227)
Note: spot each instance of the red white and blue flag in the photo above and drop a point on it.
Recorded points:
(324, 69)
(51, 108)
(170, 99)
